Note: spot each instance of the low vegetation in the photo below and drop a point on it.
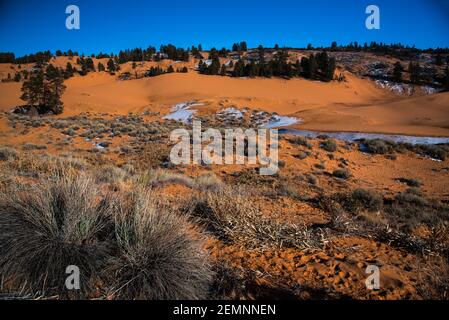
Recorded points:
(136, 248)
(343, 174)
(379, 146)
(160, 257)
(54, 225)
(234, 218)
(329, 145)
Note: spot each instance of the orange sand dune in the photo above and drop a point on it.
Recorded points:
(424, 115)
(100, 92)
(355, 105)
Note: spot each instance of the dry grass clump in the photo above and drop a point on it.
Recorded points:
(161, 256)
(439, 152)
(234, 218)
(44, 230)
(161, 177)
(433, 281)
(330, 145)
(148, 251)
(208, 182)
(361, 199)
(287, 189)
(378, 146)
(410, 209)
(110, 174)
(30, 146)
(7, 154)
(343, 174)
(300, 141)
(415, 183)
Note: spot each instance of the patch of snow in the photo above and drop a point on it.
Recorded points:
(356, 136)
(429, 90)
(397, 88)
(181, 112)
(231, 112)
(277, 121)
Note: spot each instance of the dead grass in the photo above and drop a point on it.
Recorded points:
(7, 154)
(235, 218)
(160, 255)
(44, 230)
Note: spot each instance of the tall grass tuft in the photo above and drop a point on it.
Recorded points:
(45, 229)
(162, 257)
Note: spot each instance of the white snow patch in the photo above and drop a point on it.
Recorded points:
(277, 121)
(232, 112)
(398, 88)
(181, 112)
(429, 90)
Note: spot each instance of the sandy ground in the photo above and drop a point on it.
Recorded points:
(355, 105)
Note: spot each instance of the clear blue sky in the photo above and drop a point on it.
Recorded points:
(28, 26)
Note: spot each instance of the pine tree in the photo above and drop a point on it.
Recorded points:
(84, 69)
(17, 77)
(101, 67)
(397, 72)
(89, 64)
(111, 66)
(313, 65)
(69, 71)
(252, 70)
(44, 90)
(415, 72)
(309, 67)
(214, 67)
(223, 70)
(202, 67)
(332, 65)
(239, 68)
(33, 89)
(54, 81)
(446, 80)
(305, 67)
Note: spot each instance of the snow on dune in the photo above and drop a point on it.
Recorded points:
(355, 136)
(277, 121)
(181, 112)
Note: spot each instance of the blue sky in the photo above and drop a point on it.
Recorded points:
(28, 26)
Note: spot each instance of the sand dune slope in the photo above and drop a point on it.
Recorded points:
(424, 115)
(355, 105)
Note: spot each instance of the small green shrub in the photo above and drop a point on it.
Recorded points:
(365, 199)
(342, 174)
(300, 141)
(330, 145)
(415, 183)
